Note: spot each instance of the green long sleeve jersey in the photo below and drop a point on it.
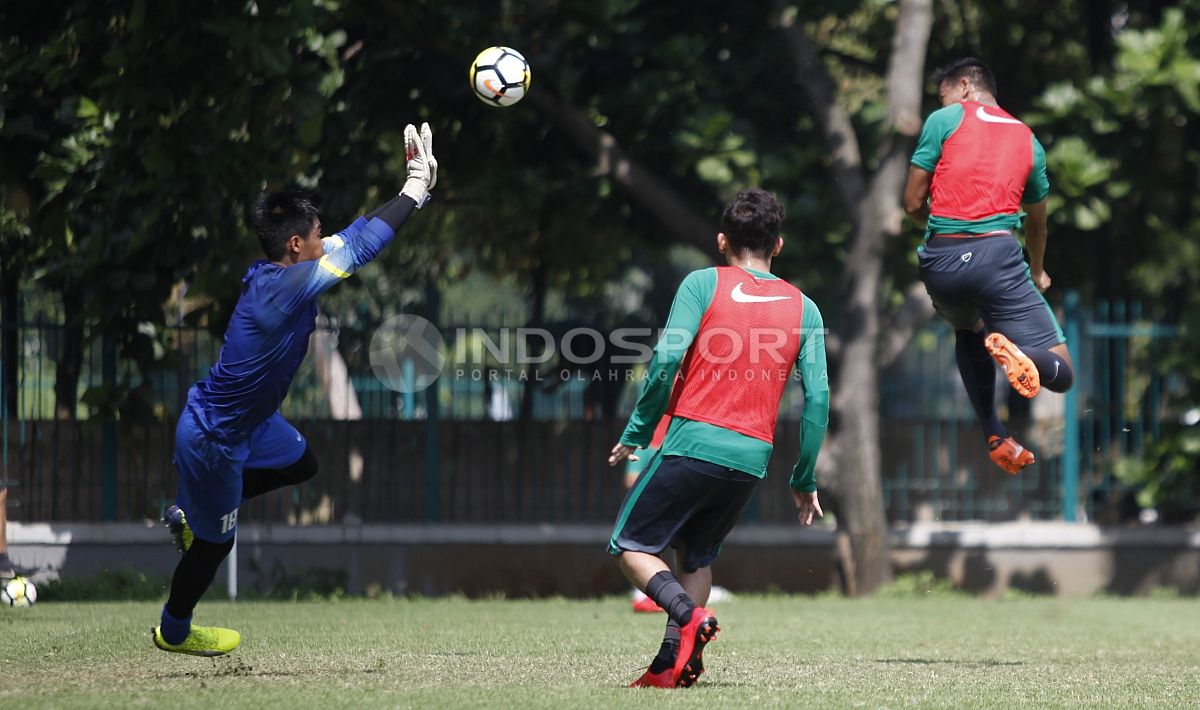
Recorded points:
(708, 442)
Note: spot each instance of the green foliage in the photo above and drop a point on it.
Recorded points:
(1166, 475)
(133, 140)
(1123, 150)
(919, 585)
(109, 585)
(296, 584)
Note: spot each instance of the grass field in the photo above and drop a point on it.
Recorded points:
(951, 651)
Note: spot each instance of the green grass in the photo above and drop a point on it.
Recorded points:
(942, 651)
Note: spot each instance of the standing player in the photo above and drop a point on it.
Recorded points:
(733, 336)
(232, 443)
(986, 172)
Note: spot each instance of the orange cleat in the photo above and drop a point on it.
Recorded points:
(646, 605)
(1022, 374)
(699, 631)
(1008, 454)
(662, 679)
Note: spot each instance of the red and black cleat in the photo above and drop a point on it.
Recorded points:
(693, 637)
(662, 679)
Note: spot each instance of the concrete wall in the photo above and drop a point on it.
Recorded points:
(570, 560)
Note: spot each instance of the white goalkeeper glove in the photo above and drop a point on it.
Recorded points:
(422, 166)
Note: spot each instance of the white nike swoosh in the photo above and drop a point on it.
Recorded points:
(740, 297)
(989, 118)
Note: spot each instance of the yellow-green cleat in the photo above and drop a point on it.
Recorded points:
(201, 641)
(181, 532)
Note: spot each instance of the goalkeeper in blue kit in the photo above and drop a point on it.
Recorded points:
(231, 443)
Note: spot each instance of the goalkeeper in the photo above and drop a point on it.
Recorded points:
(231, 443)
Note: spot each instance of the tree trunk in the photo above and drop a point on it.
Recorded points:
(10, 318)
(70, 356)
(539, 285)
(333, 374)
(874, 207)
(645, 187)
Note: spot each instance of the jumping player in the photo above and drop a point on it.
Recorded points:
(732, 339)
(976, 174)
(231, 443)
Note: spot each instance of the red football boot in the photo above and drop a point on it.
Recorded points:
(1009, 455)
(700, 630)
(1022, 374)
(663, 679)
(646, 605)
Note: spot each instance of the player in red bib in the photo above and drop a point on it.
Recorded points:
(734, 337)
(976, 174)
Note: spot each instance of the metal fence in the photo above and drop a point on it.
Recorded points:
(485, 444)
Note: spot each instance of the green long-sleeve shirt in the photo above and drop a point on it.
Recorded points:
(716, 444)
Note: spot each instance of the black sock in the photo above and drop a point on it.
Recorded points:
(256, 481)
(668, 593)
(194, 574)
(978, 372)
(1054, 372)
(668, 650)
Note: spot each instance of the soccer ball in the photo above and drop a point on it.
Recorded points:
(18, 591)
(500, 76)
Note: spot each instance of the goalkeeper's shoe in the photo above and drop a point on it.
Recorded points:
(1022, 374)
(1008, 454)
(662, 679)
(181, 532)
(693, 636)
(201, 641)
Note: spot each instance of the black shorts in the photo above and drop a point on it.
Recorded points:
(986, 278)
(684, 503)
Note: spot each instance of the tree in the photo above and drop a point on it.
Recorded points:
(132, 138)
(871, 198)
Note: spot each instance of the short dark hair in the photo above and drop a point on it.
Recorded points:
(279, 215)
(751, 222)
(972, 69)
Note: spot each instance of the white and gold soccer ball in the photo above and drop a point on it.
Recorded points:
(18, 591)
(500, 76)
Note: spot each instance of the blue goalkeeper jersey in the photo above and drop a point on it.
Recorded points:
(267, 337)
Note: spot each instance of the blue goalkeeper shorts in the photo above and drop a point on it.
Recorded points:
(210, 471)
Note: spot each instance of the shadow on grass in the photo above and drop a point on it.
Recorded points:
(987, 663)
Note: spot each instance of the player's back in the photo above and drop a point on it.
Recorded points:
(736, 370)
(265, 342)
(984, 165)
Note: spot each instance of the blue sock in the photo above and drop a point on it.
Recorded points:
(174, 631)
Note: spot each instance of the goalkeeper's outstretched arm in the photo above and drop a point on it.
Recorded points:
(363, 240)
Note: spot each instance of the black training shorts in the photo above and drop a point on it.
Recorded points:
(986, 278)
(684, 503)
